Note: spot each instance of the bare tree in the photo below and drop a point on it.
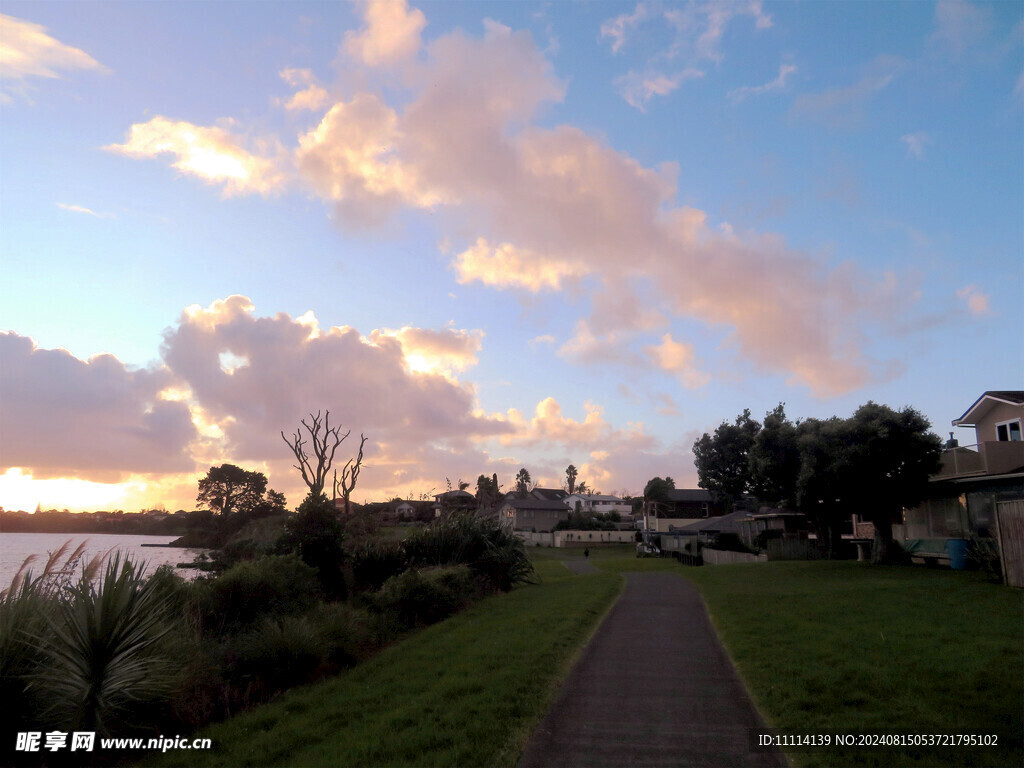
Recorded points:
(349, 475)
(323, 441)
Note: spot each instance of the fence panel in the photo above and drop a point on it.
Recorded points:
(1010, 524)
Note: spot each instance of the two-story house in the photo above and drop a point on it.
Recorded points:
(976, 481)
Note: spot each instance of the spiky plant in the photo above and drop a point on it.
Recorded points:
(101, 649)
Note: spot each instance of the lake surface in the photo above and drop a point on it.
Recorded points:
(15, 547)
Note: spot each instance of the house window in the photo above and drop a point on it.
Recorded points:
(1008, 431)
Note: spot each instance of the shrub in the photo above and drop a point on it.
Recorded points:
(374, 562)
(415, 600)
(490, 549)
(101, 650)
(315, 533)
(983, 555)
(344, 633)
(276, 655)
(251, 590)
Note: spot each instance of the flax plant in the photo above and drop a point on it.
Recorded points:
(101, 649)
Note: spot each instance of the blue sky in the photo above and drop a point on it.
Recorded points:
(491, 235)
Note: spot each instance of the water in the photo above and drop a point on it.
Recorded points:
(15, 547)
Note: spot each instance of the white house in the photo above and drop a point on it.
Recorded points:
(597, 503)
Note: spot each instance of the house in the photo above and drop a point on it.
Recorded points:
(453, 501)
(676, 537)
(532, 514)
(976, 484)
(595, 503)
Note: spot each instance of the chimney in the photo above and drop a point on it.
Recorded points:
(952, 442)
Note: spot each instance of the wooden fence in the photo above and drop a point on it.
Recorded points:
(1010, 530)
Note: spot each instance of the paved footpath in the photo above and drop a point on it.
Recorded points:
(653, 688)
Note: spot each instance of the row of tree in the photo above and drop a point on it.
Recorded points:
(874, 464)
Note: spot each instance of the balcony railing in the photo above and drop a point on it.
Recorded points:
(989, 458)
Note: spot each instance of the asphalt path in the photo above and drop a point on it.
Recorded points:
(654, 687)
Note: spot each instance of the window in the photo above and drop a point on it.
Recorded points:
(1008, 431)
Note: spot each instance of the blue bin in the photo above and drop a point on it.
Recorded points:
(957, 551)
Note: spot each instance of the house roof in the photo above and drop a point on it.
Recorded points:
(689, 494)
(536, 504)
(551, 494)
(723, 524)
(985, 402)
(453, 494)
(597, 497)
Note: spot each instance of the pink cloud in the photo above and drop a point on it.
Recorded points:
(391, 33)
(94, 419)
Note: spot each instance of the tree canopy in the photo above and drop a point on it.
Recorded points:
(228, 489)
(721, 459)
(571, 473)
(873, 464)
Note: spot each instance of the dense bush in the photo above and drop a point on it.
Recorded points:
(416, 598)
(374, 562)
(490, 549)
(252, 590)
(275, 655)
(315, 534)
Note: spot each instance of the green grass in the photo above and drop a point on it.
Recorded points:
(841, 647)
(461, 693)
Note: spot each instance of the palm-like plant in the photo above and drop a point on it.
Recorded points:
(101, 648)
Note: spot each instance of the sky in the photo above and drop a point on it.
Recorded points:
(491, 235)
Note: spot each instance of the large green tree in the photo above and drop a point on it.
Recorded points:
(774, 460)
(891, 456)
(873, 464)
(721, 459)
(228, 489)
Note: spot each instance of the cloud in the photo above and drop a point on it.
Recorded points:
(616, 28)
(677, 358)
(556, 209)
(383, 385)
(211, 154)
(312, 96)
(350, 159)
(916, 142)
(977, 302)
(701, 25)
(959, 26)
(28, 51)
(639, 88)
(391, 33)
(844, 107)
(444, 352)
(93, 419)
(505, 266)
(739, 94)
(81, 209)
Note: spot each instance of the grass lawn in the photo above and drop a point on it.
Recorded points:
(464, 692)
(842, 647)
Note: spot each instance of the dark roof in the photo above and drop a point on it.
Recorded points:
(537, 504)
(723, 524)
(453, 494)
(689, 494)
(552, 494)
(1014, 396)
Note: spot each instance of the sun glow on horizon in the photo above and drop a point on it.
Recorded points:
(19, 490)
